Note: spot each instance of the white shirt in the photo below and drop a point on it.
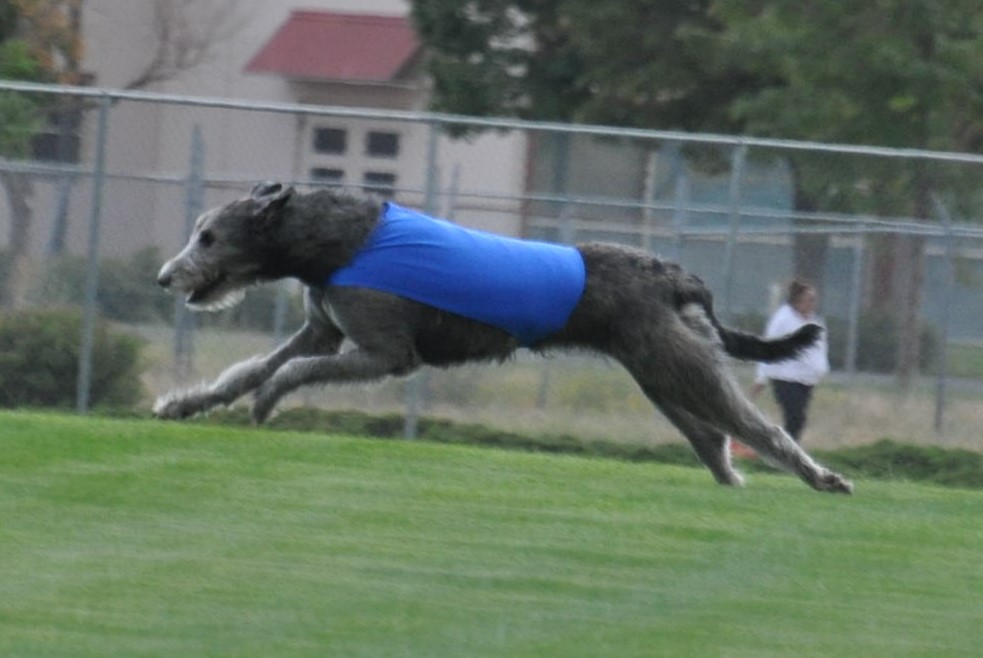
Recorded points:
(807, 368)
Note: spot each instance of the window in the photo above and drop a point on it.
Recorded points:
(332, 141)
(382, 144)
(379, 183)
(327, 176)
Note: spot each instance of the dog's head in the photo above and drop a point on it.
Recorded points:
(228, 250)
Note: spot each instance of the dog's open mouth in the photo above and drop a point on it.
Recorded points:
(202, 294)
(214, 296)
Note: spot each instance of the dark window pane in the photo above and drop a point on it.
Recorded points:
(327, 175)
(382, 145)
(330, 140)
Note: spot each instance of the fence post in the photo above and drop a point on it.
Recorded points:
(738, 161)
(416, 384)
(949, 281)
(680, 213)
(193, 202)
(83, 389)
(856, 293)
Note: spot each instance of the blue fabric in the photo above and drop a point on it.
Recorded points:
(527, 288)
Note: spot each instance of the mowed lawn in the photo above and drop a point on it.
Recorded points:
(141, 538)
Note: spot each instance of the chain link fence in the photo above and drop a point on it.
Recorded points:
(101, 186)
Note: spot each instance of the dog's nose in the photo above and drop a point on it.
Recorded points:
(164, 279)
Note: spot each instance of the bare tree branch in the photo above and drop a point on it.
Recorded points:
(187, 34)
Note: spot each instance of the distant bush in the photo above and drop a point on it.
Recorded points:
(39, 358)
(877, 348)
(882, 460)
(390, 426)
(892, 460)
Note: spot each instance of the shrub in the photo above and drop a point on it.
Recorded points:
(891, 460)
(883, 460)
(39, 357)
(877, 343)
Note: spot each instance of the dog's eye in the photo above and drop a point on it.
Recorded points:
(206, 239)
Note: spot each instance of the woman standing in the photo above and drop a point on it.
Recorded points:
(792, 381)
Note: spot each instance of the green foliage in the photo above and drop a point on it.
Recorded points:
(16, 62)
(390, 426)
(638, 62)
(899, 73)
(878, 339)
(20, 115)
(39, 357)
(8, 20)
(480, 64)
(891, 460)
(19, 122)
(883, 460)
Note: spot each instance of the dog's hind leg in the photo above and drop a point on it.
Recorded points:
(317, 336)
(689, 374)
(734, 414)
(710, 444)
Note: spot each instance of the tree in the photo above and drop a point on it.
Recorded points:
(900, 73)
(38, 42)
(187, 34)
(21, 58)
(641, 63)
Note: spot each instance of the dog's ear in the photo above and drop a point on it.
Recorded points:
(270, 197)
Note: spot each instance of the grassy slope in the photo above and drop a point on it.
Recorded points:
(136, 538)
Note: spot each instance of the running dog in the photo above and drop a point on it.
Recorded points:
(408, 290)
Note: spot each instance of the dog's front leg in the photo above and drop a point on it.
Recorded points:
(245, 376)
(359, 365)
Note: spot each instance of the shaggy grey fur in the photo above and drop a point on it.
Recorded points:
(651, 316)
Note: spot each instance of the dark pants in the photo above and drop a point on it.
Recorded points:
(793, 398)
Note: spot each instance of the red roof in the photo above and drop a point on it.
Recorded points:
(331, 46)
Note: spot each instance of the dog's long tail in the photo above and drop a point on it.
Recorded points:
(749, 347)
(746, 346)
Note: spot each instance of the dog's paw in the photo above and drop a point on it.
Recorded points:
(833, 483)
(176, 407)
(263, 404)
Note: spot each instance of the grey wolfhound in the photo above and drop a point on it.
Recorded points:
(649, 315)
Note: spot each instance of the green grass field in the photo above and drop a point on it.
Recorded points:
(139, 538)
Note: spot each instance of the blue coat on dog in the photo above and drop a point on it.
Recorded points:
(526, 288)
